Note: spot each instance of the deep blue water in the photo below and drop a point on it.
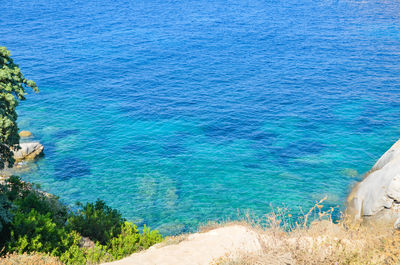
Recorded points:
(182, 112)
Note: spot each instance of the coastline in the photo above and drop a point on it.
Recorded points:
(318, 238)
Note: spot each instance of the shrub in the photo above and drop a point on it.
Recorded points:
(5, 219)
(97, 221)
(5, 213)
(74, 254)
(44, 205)
(126, 243)
(130, 240)
(33, 221)
(149, 237)
(36, 232)
(26, 198)
(80, 256)
(98, 254)
(32, 212)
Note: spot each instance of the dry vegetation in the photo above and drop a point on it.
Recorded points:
(173, 240)
(283, 241)
(321, 242)
(31, 259)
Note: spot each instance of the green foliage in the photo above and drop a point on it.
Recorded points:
(130, 240)
(26, 198)
(37, 222)
(5, 213)
(127, 242)
(78, 255)
(35, 232)
(74, 254)
(149, 237)
(98, 255)
(14, 188)
(12, 90)
(97, 221)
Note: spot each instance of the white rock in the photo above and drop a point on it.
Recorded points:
(378, 194)
(28, 151)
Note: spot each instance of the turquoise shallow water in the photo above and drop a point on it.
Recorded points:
(183, 112)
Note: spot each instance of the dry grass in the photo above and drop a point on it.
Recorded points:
(173, 240)
(320, 241)
(29, 259)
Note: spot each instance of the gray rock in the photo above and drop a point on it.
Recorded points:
(377, 196)
(86, 243)
(28, 151)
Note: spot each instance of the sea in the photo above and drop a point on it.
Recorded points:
(182, 113)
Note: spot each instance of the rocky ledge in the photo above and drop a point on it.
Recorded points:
(377, 196)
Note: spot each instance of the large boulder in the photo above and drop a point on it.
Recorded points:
(28, 151)
(377, 196)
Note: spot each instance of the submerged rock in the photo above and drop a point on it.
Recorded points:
(25, 134)
(377, 196)
(28, 151)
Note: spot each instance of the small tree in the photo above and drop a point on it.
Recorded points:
(12, 90)
(97, 221)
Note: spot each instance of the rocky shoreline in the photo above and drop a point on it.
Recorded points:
(27, 151)
(377, 196)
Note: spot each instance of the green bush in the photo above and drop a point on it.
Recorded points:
(5, 219)
(98, 254)
(5, 211)
(97, 221)
(149, 237)
(34, 221)
(32, 211)
(125, 243)
(80, 256)
(36, 232)
(130, 240)
(26, 197)
(74, 254)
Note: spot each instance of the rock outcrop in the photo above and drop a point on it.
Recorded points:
(28, 151)
(377, 196)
